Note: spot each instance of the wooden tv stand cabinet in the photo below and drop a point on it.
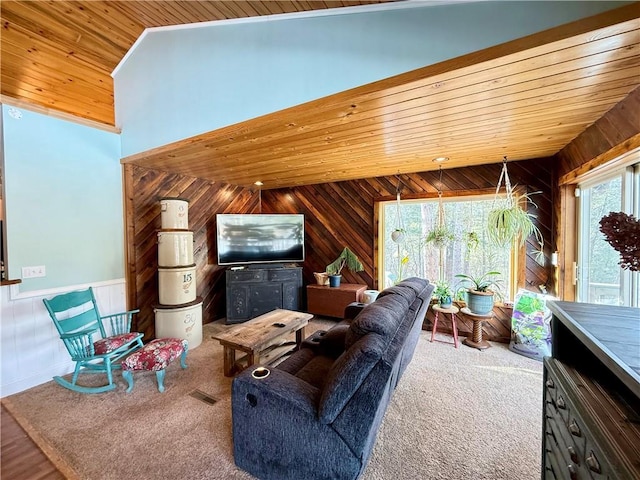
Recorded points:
(331, 301)
(591, 399)
(254, 291)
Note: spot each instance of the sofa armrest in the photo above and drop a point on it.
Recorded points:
(329, 343)
(277, 435)
(352, 310)
(279, 387)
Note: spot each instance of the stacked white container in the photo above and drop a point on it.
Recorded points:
(179, 314)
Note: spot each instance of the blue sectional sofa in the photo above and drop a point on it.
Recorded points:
(316, 415)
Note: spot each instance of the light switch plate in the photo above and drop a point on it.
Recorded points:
(34, 272)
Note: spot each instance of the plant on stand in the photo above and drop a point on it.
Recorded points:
(480, 296)
(346, 259)
(444, 294)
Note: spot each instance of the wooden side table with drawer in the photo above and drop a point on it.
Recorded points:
(331, 301)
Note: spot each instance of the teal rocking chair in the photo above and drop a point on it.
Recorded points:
(78, 320)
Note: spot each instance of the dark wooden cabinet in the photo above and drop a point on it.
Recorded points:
(254, 291)
(591, 399)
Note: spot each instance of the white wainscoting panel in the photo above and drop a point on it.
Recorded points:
(31, 352)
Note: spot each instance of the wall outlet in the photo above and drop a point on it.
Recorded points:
(34, 272)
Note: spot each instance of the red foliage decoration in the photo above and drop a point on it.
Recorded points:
(622, 231)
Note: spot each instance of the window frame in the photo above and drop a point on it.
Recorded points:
(629, 173)
(517, 259)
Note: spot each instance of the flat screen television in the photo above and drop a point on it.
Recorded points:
(260, 238)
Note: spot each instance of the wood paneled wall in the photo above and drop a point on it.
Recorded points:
(143, 190)
(617, 132)
(342, 214)
(613, 135)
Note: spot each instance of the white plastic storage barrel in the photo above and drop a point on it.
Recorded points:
(183, 322)
(174, 213)
(175, 248)
(177, 285)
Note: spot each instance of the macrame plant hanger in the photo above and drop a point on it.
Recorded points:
(504, 175)
(440, 226)
(398, 234)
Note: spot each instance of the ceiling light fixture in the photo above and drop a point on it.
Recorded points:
(258, 183)
(440, 159)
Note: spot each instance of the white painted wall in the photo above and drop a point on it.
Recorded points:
(180, 82)
(31, 352)
(63, 199)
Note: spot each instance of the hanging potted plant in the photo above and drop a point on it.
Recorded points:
(346, 259)
(398, 235)
(471, 241)
(440, 235)
(507, 221)
(480, 296)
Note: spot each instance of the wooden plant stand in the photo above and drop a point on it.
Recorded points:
(476, 340)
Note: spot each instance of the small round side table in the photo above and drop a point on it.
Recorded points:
(476, 340)
(452, 310)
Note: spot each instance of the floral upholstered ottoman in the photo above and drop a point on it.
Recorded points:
(155, 356)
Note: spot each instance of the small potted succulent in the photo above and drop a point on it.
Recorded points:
(444, 294)
(479, 295)
(346, 259)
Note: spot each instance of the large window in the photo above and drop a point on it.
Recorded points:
(468, 252)
(600, 279)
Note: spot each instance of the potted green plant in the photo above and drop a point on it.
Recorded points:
(440, 236)
(480, 296)
(346, 259)
(444, 294)
(507, 221)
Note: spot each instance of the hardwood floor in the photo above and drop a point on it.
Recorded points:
(20, 458)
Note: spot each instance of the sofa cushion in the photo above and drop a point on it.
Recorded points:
(332, 343)
(382, 317)
(315, 371)
(347, 373)
(297, 360)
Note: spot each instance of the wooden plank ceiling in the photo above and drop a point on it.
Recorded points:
(59, 54)
(524, 99)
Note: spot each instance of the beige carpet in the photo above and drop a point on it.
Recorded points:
(456, 414)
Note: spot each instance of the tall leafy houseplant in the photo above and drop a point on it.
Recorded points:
(346, 259)
(479, 293)
(508, 222)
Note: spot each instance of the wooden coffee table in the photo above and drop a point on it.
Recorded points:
(263, 339)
